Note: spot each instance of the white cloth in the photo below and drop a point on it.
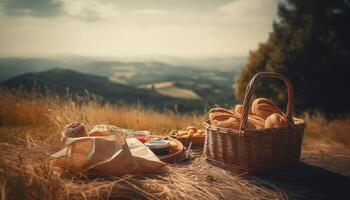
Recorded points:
(107, 155)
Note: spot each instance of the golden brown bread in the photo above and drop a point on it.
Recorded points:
(226, 124)
(256, 121)
(191, 131)
(220, 110)
(192, 127)
(219, 116)
(105, 130)
(224, 118)
(76, 129)
(276, 120)
(239, 109)
(263, 107)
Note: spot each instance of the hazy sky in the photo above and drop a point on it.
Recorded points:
(186, 28)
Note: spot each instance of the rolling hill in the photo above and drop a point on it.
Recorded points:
(58, 80)
(209, 85)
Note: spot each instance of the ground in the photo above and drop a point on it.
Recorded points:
(319, 175)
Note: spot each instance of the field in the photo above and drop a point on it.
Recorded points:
(178, 92)
(168, 89)
(29, 132)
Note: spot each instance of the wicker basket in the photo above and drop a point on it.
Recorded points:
(250, 150)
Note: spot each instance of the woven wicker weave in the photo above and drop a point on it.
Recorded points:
(251, 150)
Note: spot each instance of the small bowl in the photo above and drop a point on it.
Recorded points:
(177, 150)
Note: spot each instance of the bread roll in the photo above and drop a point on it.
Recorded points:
(105, 130)
(263, 107)
(276, 121)
(76, 129)
(191, 127)
(227, 124)
(181, 133)
(256, 121)
(253, 120)
(196, 135)
(190, 133)
(239, 109)
(219, 116)
(224, 118)
(220, 110)
(201, 132)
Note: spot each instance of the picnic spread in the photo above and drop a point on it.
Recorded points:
(252, 137)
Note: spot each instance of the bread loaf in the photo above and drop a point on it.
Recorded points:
(276, 120)
(226, 124)
(221, 110)
(256, 121)
(224, 118)
(219, 116)
(263, 107)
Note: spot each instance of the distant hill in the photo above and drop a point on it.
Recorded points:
(10, 67)
(58, 80)
(208, 85)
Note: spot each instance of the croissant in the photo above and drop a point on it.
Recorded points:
(276, 121)
(263, 107)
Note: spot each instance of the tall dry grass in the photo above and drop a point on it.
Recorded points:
(326, 135)
(23, 112)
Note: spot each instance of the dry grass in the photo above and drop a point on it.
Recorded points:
(30, 111)
(21, 178)
(330, 135)
(29, 127)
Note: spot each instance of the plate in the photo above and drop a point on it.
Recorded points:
(177, 150)
(196, 141)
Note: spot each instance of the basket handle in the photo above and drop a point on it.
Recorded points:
(248, 97)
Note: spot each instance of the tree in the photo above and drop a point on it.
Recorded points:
(310, 44)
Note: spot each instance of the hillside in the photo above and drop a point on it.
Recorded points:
(14, 66)
(59, 80)
(208, 85)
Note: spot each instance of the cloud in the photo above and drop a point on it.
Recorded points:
(39, 8)
(151, 12)
(249, 8)
(89, 10)
(227, 28)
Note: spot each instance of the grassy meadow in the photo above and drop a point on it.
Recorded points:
(29, 132)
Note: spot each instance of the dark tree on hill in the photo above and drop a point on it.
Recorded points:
(310, 44)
